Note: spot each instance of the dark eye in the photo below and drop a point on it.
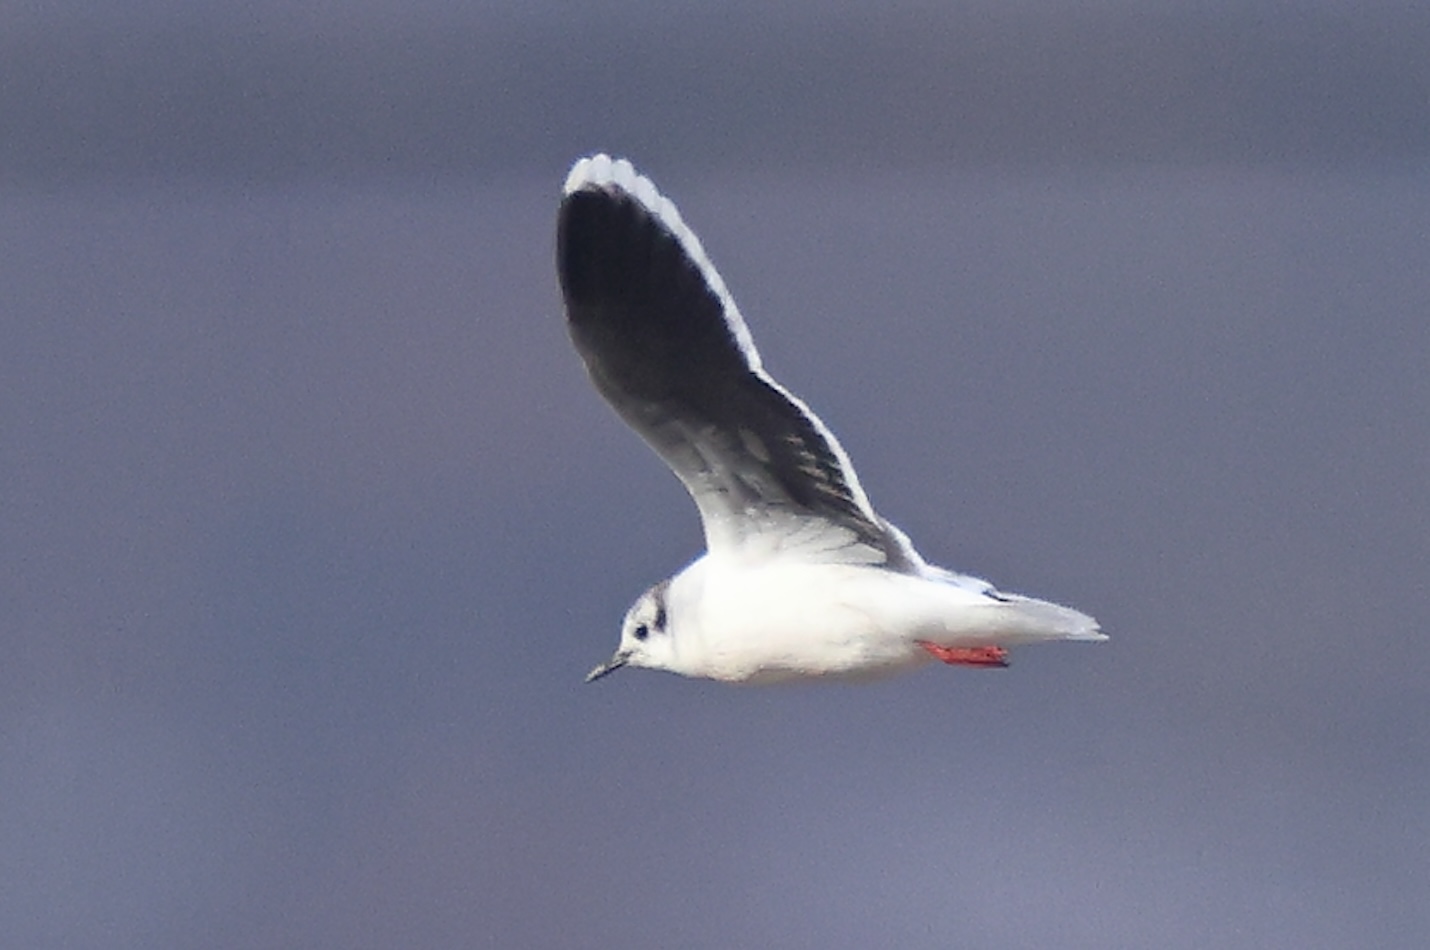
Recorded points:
(641, 632)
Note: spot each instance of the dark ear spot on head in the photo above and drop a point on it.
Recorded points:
(660, 615)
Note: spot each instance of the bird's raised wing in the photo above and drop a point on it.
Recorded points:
(665, 345)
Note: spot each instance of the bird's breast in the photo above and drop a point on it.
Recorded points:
(790, 621)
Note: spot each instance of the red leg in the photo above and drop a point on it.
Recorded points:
(967, 656)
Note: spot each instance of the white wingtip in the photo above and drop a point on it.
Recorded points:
(601, 171)
(595, 170)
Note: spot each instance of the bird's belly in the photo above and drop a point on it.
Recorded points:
(802, 621)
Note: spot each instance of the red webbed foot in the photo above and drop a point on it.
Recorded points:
(967, 656)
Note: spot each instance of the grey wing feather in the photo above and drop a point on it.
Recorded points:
(664, 344)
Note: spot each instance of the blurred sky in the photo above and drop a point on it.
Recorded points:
(311, 523)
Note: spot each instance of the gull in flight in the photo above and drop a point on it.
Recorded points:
(801, 577)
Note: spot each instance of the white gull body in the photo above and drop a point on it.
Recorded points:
(801, 578)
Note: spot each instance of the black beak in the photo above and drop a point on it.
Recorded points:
(610, 666)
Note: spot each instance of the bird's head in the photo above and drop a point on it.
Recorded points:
(645, 635)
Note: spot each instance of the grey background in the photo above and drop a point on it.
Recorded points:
(310, 523)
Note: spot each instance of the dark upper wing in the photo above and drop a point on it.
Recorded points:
(666, 346)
